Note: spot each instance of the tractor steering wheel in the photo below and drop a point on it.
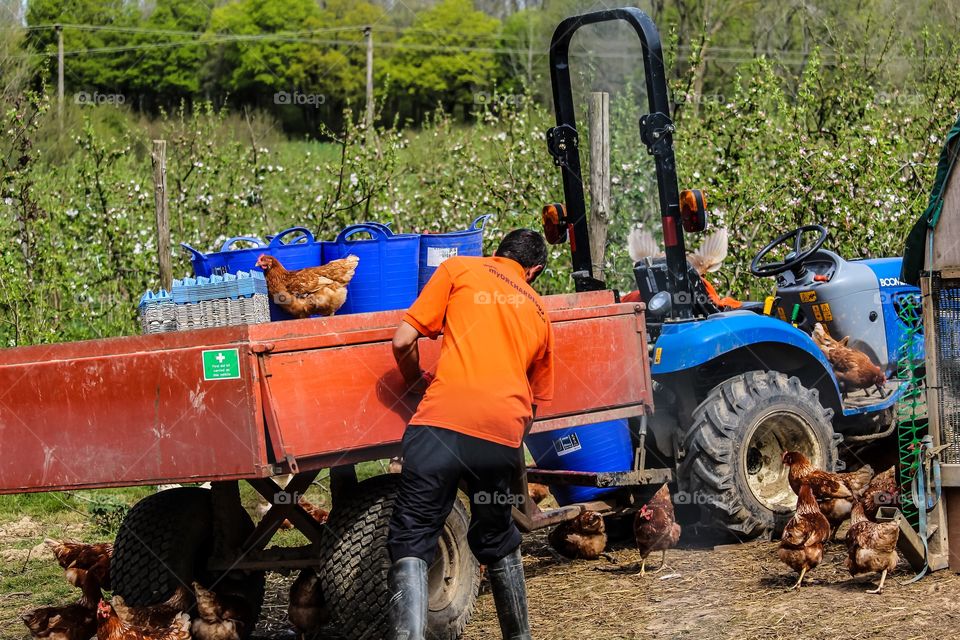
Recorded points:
(795, 258)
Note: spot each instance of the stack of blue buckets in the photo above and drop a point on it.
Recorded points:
(393, 267)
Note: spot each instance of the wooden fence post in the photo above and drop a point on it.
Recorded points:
(159, 160)
(599, 114)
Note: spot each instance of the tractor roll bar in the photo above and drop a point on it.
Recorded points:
(656, 132)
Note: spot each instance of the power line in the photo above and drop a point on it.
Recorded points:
(731, 55)
(622, 55)
(396, 29)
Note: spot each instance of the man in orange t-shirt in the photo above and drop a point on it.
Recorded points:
(496, 365)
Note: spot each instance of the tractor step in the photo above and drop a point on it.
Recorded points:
(602, 479)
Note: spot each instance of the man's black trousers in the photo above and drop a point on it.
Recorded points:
(434, 462)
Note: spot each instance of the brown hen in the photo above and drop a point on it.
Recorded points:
(111, 627)
(853, 368)
(223, 616)
(883, 491)
(312, 291)
(583, 537)
(871, 546)
(71, 622)
(537, 492)
(307, 609)
(87, 567)
(801, 545)
(835, 492)
(655, 527)
(159, 616)
(317, 513)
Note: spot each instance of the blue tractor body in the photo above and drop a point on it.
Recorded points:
(866, 302)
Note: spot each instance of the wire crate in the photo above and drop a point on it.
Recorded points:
(944, 359)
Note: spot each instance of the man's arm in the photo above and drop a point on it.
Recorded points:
(407, 354)
(424, 318)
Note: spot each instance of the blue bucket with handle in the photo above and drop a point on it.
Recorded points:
(386, 277)
(296, 248)
(229, 259)
(602, 446)
(437, 247)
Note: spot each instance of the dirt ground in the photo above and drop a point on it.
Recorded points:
(739, 591)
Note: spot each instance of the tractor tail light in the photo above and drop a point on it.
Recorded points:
(693, 210)
(555, 223)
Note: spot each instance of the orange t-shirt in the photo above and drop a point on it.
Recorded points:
(496, 359)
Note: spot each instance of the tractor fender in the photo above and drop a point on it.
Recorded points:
(773, 343)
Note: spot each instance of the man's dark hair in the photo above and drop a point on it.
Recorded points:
(526, 246)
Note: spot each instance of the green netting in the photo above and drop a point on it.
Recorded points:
(911, 413)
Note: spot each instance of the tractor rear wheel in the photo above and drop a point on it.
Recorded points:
(733, 469)
(165, 541)
(355, 562)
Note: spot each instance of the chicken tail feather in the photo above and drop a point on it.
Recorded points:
(712, 251)
(641, 244)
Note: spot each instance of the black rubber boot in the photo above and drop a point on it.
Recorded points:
(407, 581)
(510, 596)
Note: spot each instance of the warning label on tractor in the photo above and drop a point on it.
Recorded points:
(808, 296)
(825, 310)
(436, 255)
(817, 314)
(567, 444)
(221, 364)
(657, 355)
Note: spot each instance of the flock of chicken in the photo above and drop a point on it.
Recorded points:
(193, 612)
(825, 501)
(222, 616)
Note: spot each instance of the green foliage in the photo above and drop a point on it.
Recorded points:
(445, 76)
(173, 72)
(842, 152)
(261, 66)
(107, 514)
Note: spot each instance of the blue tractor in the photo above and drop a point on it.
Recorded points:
(734, 389)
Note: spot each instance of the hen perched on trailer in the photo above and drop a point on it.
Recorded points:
(312, 291)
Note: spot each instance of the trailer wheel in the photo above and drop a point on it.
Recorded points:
(732, 467)
(164, 542)
(356, 561)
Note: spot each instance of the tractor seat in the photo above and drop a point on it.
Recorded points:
(752, 305)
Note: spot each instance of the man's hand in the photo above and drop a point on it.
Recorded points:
(419, 386)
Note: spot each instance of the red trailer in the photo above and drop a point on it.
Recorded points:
(252, 402)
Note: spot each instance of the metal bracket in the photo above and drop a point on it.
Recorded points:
(584, 281)
(656, 131)
(562, 141)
